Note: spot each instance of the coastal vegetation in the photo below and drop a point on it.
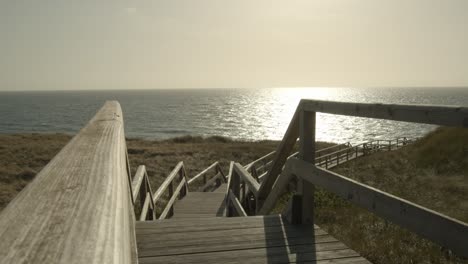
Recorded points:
(432, 172)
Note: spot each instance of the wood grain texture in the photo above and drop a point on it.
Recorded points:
(137, 180)
(257, 239)
(199, 204)
(456, 116)
(78, 209)
(439, 228)
(167, 182)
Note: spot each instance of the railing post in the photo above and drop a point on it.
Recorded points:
(307, 153)
(143, 192)
(234, 186)
(218, 180)
(183, 191)
(171, 192)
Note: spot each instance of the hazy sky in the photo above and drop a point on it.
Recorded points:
(117, 44)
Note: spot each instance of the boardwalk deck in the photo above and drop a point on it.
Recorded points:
(253, 239)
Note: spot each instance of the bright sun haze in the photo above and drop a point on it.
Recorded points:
(57, 45)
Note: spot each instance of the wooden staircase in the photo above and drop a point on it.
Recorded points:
(198, 232)
(253, 239)
(201, 204)
(195, 228)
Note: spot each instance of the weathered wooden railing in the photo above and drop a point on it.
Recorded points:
(141, 187)
(345, 154)
(447, 232)
(149, 202)
(260, 166)
(241, 186)
(181, 189)
(78, 209)
(215, 180)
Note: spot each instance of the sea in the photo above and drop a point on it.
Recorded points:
(242, 114)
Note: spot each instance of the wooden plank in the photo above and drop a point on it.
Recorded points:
(212, 166)
(272, 232)
(284, 148)
(167, 182)
(256, 237)
(428, 114)
(307, 153)
(137, 180)
(237, 205)
(336, 260)
(278, 189)
(261, 255)
(161, 229)
(171, 201)
(247, 178)
(78, 209)
(293, 245)
(144, 209)
(450, 233)
(263, 219)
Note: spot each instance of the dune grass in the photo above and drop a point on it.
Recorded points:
(22, 156)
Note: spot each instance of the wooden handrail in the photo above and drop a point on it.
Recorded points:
(180, 191)
(212, 166)
(425, 114)
(450, 233)
(445, 231)
(247, 167)
(236, 204)
(168, 181)
(171, 201)
(78, 209)
(240, 171)
(138, 180)
(142, 187)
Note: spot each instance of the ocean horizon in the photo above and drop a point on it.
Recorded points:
(241, 114)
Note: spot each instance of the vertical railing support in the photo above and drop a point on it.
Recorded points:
(306, 153)
(171, 192)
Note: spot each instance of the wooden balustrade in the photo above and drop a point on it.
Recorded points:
(447, 232)
(78, 208)
(141, 187)
(180, 191)
(214, 182)
(241, 187)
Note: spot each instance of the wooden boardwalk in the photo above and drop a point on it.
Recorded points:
(84, 205)
(200, 232)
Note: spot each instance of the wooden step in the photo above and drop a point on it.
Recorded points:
(259, 239)
(200, 204)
